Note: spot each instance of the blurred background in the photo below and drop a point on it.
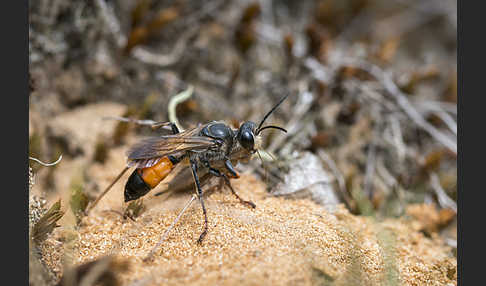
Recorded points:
(371, 116)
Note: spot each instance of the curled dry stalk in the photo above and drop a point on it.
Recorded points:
(174, 101)
(46, 164)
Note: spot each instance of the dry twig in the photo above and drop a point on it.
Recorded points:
(401, 100)
(163, 60)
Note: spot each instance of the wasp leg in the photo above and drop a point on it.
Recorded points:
(174, 128)
(91, 206)
(231, 169)
(146, 122)
(217, 173)
(249, 203)
(200, 195)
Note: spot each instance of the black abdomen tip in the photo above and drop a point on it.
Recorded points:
(135, 187)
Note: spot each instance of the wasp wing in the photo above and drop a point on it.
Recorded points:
(147, 152)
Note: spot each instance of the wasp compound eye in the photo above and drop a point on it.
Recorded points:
(247, 140)
(245, 135)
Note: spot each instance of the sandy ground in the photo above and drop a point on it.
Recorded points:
(281, 242)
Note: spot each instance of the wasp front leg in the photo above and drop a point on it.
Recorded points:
(217, 173)
(231, 169)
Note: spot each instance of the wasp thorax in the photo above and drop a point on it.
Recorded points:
(246, 135)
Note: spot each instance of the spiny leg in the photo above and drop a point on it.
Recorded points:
(228, 183)
(166, 233)
(226, 180)
(200, 195)
(174, 128)
(146, 122)
(106, 190)
(231, 169)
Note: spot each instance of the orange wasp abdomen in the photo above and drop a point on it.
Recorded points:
(153, 175)
(142, 180)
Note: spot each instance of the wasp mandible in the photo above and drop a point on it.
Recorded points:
(213, 148)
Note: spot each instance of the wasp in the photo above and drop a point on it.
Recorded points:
(213, 148)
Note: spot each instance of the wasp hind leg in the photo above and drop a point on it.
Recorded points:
(226, 180)
(91, 206)
(146, 122)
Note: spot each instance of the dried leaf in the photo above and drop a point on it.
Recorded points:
(79, 200)
(47, 223)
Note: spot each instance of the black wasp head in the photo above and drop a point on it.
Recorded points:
(248, 130)
(246, 135)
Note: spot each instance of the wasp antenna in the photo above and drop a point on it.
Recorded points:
(270, 112)
(272, 126)
(271, 155)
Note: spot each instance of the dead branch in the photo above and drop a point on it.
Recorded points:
(111, 22)
(444, 200)
(442, 114)
(370, 170)
(401, 99)
(164, 60)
